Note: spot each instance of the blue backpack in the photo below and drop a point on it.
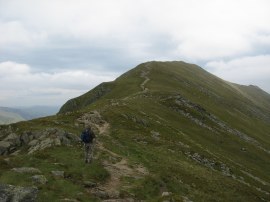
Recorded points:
(87, 136)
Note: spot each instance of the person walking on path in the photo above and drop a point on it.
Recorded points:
(87, 138)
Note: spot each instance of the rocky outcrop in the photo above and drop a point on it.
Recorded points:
(211, 163)
(136, 119)
(36, 141)
(92, 118)
(10, 193)
(200, 116)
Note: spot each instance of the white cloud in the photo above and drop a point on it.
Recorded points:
(11, 68)
(13, 34)
(20, 85)
(200, 29)
(246, 70)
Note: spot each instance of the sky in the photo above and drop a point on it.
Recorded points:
(54, 50)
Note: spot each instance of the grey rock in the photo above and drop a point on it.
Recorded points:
(36, 141)
(4, 147)
(155, 135)
(101, 194)
(72, 137)
(57, 173)
(37, 135)
(113, 194)
(10, 193)
(15, 153)
(13, 139)
(33, 149)
(25, 137)
(57, 142)
(42, 137)
(164, 194)
(65, 141)
(243, 149)
(89, 184)
(144, 122)
(50, 131)
(48, 142)
(33, 143)
(41, 145)
(26, 170)
(39, 179)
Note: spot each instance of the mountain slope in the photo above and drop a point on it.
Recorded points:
(166, 131)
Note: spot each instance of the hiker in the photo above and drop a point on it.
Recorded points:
(87, 137)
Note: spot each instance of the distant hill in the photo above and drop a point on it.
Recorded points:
(12, 115)
(38, 111)
(166, 131)
(9, 115)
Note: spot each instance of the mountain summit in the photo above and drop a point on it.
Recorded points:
(166, 131)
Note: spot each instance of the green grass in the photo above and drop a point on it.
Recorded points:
(169, 168)
(67, 159)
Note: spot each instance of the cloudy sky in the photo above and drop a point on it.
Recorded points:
(53, 50)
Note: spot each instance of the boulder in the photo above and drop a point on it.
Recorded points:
(39, 179)
(10, 193)
(57, 173)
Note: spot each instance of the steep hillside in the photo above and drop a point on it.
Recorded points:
(166, 131)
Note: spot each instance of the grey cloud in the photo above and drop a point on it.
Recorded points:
(98, 54)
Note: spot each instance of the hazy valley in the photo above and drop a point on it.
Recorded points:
(12, 115)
